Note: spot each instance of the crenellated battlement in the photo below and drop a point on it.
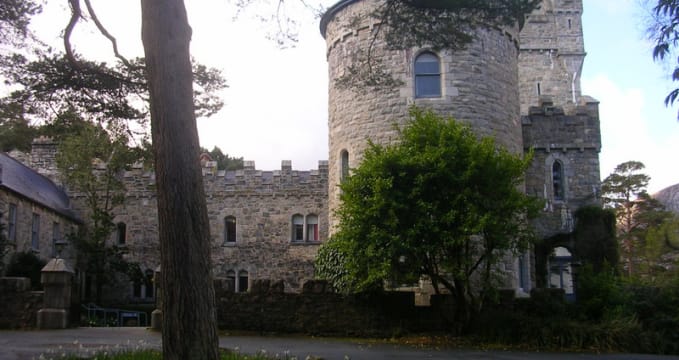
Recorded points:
(553, 128)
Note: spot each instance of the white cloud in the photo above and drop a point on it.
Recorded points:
(627, 128)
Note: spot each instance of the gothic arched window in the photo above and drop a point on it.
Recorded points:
(427, 75)
(558, 180)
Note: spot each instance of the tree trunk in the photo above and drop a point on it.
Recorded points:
(189, 318)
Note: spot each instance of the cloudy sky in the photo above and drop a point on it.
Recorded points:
(276, 103)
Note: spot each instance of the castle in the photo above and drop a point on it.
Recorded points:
(523, 88)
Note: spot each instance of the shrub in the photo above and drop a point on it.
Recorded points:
(26, 264)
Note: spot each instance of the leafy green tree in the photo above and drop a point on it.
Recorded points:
(664, 31)
(224, 161)
(440, 203)
(636, 212)
(91, 159)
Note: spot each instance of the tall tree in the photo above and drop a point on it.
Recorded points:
(664, 31)
(189, 317)
(625, 191)
(440, 203)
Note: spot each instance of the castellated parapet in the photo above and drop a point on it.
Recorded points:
(478, 86)
(262, 203)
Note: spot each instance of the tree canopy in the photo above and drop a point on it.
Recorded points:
(440, 203)
(664, 31)
(636, 211)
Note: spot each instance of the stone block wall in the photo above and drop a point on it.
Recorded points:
(552, 54)
(48, 222)
(263, 204)
(20, 304)
(573, 139)
(318, 311)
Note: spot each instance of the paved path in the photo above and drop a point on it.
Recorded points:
(26, 345)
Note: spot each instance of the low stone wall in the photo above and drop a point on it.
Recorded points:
(20, 305)
(318, 311)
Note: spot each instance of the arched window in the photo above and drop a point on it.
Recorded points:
(242, 281)
(229, 230)
(344, 165)
(558, 180)
(297, 227)
(312, 228)
(121, 233)
(427, 75)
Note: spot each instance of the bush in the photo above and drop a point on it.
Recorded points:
(26, 264)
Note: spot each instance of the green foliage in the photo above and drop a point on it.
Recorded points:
(92, 160)
(636, 212)
(224, 161)
(595, 238)
(26, 264)
(441, 203)
(98, 92)
(664, 31)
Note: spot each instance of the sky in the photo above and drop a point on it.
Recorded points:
(276, 103)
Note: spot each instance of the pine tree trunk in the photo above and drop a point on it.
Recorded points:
(189, 318)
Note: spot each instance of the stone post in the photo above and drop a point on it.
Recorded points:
(157, 314)
(56, 280)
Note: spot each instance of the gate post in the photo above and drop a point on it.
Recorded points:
(56, 280)
(157, 314)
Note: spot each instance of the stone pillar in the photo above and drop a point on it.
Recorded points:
(56, 280)
(157, 314)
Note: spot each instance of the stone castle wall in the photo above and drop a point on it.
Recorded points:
(574, 139)
(552, 54)
(263, 204)
(479, 86)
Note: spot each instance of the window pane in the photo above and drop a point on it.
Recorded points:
(243, 281)
(557, 180)
(312, 228)
(427, 75)
(35, 232)
(12, 222)
(230, 229)
(297, 228)
(428, 86)
(121, 233)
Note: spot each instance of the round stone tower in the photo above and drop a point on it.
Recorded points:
(477, 85)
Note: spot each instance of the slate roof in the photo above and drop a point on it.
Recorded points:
(25, 182)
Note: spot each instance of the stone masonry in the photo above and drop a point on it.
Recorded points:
(523, 88)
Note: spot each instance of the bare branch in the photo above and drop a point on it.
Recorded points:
(105, 32)
(76, 14)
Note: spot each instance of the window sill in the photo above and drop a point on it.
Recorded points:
(305, 243)
(229, 244)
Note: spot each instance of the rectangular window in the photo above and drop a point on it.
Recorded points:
(12, 223)
(35, 232)
(299, 232)
(230, 229)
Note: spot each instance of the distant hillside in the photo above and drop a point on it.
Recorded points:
(669, 197)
